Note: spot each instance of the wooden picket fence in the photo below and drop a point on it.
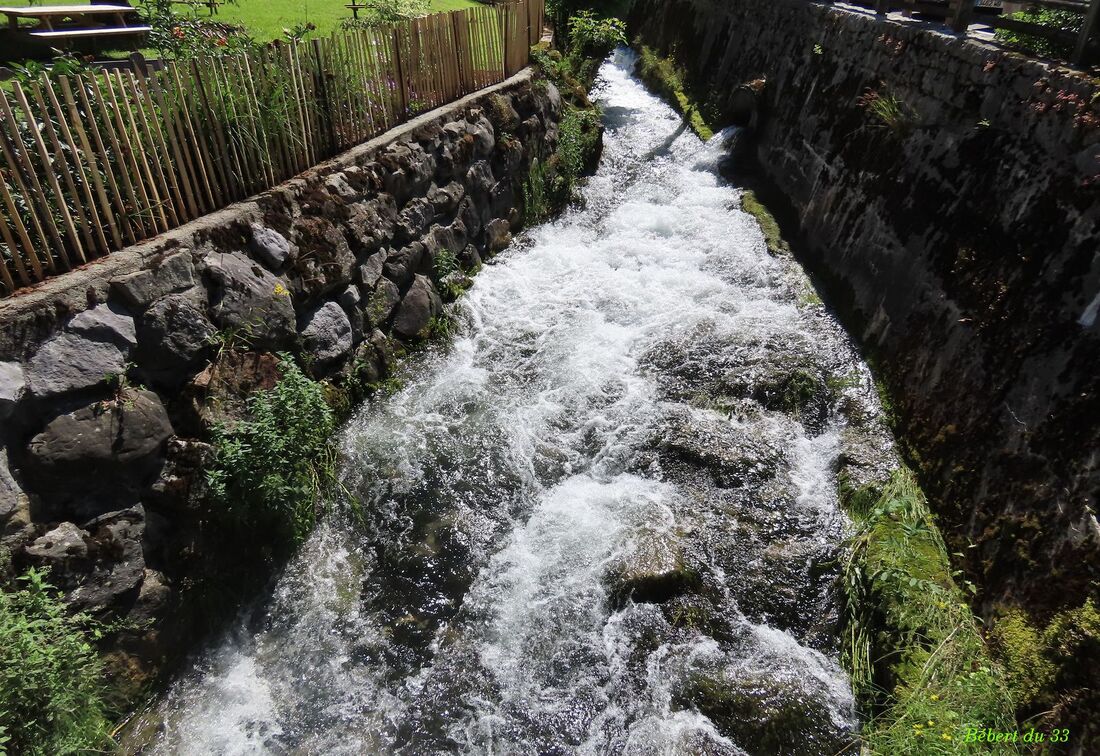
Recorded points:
(94, 162)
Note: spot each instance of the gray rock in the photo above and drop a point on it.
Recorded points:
(445, 199)
(651, 570)
(12, 387)
(499, 234)
(338, 184)
(418, 307)
(69, 362)
(120, 567)
(470, 215)
(371, 224)
(101, 453)
(10, 493)
(484, 137)
(382, 302)
(173, 338)
(326, 335)
(480, 177)
(553, 97)
(414, 219)
(402, 265)
(64, 543)
(469, 257)
(270, 247)
(371, 270)
(250, 300)
(140, 289)
(350, 299)
(326, 262)
(105, 323)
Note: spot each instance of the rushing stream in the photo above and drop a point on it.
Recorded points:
(603, 520)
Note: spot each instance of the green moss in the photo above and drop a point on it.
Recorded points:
(668, 79)
(1019, 647)
(773, 236)
(919, 666)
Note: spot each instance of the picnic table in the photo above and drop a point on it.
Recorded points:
(72, 22)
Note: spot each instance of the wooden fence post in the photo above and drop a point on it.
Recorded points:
(1088, 31)
(960, 17)
(402, 95)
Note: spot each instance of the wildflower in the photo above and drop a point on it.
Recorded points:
(931, 723)
(934, 697)
(222, 42)
(281, 291)
(177, 32)
(945, 736)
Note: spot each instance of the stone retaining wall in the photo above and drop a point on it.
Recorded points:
(957, 228)
(112, 377)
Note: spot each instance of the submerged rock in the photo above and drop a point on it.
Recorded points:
(652, 570)
(733, 456)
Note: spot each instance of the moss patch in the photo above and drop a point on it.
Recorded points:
(668, 79)
(773, 236)
(920, 668)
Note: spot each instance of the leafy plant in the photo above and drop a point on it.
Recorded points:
(1063, 20)
(889, 111)
(273, 467)
(595, 37)
(51, 695)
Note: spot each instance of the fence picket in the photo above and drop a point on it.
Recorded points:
(90, 162)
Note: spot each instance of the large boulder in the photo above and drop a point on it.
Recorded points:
(139, 290)
(417, 309)
(105, 323)
(445, 199)
(174, 337)
(69, 362)
(91, 350)
(250, 301)
(12, 387)
(104, 453)
(733, 457)
(498, 234)
(326, 336)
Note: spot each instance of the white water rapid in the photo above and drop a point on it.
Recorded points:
(602, 521)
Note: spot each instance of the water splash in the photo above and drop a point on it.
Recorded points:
(601, 426)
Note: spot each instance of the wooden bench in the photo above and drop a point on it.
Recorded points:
(355, 8)
(106, 31)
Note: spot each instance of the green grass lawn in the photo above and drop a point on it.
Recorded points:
(266, 19)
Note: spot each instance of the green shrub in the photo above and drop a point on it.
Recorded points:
(51, 696)
(1065, 20)
(593, 37)
(380, 12)
(271, 468)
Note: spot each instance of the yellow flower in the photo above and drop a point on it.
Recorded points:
(945, 736)
(280, 290)
(931, 722)
(934, 697)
